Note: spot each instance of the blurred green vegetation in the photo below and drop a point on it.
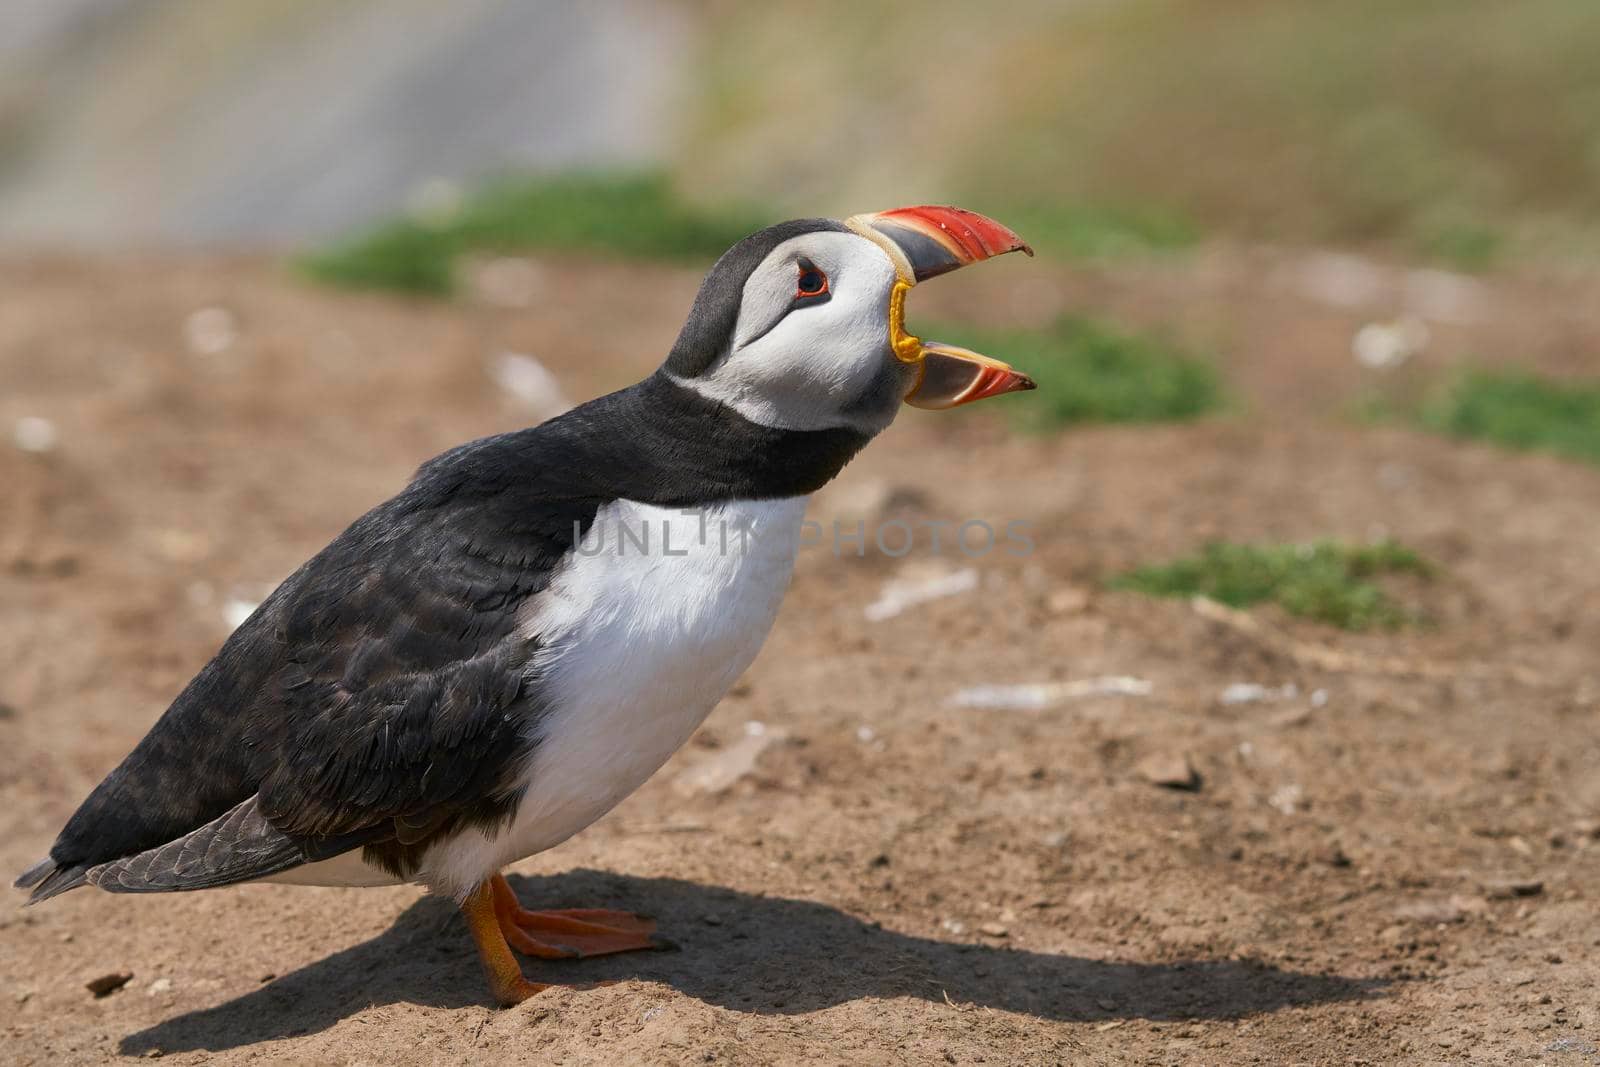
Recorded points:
(1465, 246)
(1519, 410)
(1089, 371)
(1326, 581)
(1082, 231)
(1461, 131)
(633, 215)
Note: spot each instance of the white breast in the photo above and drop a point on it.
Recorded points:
(643, 630)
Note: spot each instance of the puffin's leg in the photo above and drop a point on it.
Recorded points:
(572, 933)
(506, 980)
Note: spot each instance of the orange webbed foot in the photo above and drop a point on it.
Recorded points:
(571, 933)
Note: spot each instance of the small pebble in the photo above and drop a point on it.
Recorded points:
(1291, 717)
(1253, 692)
(1287, 799)
(1452, 910)
(107, 984)
(1068, 601)
(1169, 770)
(1383, 345)
(529, 383)
(210, 331)
(993, 930)
(1334, 856)
(34, 434)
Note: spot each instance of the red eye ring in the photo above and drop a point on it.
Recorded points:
(811, 283)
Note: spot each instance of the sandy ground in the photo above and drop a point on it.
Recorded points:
(1394, 861)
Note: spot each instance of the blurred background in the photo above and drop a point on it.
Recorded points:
(1369, 179)
(1299, 686)
(1460, 131)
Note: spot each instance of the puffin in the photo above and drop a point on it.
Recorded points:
(489, 661)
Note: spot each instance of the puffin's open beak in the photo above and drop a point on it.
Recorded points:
(924, 242)
(952, 376)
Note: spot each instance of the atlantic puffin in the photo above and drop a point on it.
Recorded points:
(486, 663)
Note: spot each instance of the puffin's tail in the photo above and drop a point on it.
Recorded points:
(239, 845)
(47, 878)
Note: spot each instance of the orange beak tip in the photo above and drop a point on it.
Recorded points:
(954, 376)
(998, 384)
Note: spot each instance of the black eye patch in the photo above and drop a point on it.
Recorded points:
(811, 286)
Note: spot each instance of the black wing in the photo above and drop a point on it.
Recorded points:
(379, 698)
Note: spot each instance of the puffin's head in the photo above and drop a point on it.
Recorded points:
(802, 325)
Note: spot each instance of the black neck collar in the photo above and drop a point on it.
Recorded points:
(660, 442)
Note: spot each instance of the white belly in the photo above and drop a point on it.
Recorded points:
(637, 645)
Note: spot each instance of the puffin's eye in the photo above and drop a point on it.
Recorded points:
(812, 282)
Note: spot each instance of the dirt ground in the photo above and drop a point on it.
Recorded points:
(1397, 860)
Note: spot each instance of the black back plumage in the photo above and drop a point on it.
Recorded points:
(381, 697)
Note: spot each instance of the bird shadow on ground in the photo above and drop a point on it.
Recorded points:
(746, 953)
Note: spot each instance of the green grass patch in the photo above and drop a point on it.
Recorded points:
(1087, 231)
(1519, 410)
(1326, 580)
(637, 216)
(1091, 372)
(1463, 245)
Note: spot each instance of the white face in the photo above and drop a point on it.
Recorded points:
(807, 360)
